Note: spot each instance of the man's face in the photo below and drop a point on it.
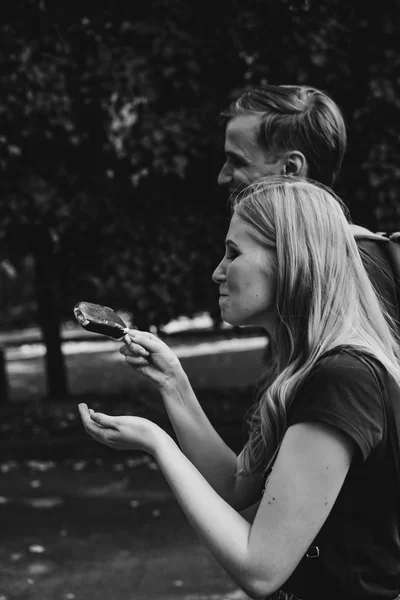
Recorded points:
(246, 160)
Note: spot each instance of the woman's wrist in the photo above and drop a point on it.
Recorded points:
(176, 385)
(163, 443)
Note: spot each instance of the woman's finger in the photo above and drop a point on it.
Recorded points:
(84, 412)
(104, 420)
(133, 350)
(89, 425)
(137, 361)
(146, 339)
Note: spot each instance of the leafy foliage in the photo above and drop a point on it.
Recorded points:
(109, 143)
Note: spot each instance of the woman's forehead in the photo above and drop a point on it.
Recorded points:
(240, 230)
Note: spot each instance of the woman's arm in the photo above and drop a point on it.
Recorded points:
(197, 437)
(205, 448)
(250, 512)
(307, 477)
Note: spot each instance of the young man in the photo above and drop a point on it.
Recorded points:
(297, 130)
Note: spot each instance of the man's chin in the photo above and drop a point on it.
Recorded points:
(236, 190)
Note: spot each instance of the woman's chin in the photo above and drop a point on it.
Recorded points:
(230, 320)
(227, 319)
(234, 320)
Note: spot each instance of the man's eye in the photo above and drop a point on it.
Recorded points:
(238, 163)
(235, 161)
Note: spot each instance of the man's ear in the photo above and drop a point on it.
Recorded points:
(296, 164)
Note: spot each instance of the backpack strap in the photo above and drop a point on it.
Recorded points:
(392, 247)
(365, 234)
(393, 250)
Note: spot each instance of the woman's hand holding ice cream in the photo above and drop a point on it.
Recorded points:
(153, 358)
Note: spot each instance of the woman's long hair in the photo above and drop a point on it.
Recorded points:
(324, 300)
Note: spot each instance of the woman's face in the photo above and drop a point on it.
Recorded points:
(246, 278)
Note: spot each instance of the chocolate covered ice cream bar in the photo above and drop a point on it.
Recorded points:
(100, 319)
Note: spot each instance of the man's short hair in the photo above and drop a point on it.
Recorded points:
(296, 117)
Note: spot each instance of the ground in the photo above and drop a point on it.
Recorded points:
(100, 529)
(82, 522)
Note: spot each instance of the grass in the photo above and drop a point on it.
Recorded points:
(32, 424)
(44, 429)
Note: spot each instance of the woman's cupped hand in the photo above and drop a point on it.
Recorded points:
(123, 432)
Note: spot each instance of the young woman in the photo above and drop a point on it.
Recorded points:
(310, 507)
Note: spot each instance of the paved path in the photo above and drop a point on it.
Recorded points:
(100, 531)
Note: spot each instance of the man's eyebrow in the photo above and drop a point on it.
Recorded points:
(232, 154)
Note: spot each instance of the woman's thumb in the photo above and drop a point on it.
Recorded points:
(103, 420)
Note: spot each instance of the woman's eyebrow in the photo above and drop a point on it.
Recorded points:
(231, 244)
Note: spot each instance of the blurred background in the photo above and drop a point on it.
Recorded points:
(110, 146)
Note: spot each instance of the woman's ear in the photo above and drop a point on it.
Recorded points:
(296, 164)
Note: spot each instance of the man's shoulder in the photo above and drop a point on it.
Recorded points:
(362, 233)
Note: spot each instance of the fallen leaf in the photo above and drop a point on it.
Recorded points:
(8, 466)
(43, 502)
(16, 556)
(38, 569)
(80, 465)
(36, 548)
(136, 462)
(40, 465)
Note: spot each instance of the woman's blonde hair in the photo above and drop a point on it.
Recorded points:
(324, 299)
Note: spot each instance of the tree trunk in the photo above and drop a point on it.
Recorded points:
(4, 396)
(48, 300)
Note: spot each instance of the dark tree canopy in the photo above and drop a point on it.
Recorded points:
(109, 140)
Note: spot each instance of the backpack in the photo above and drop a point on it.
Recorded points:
(392, 246)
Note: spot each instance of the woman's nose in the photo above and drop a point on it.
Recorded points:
(219, 274)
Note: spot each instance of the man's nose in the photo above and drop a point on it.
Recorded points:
(225, 176)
